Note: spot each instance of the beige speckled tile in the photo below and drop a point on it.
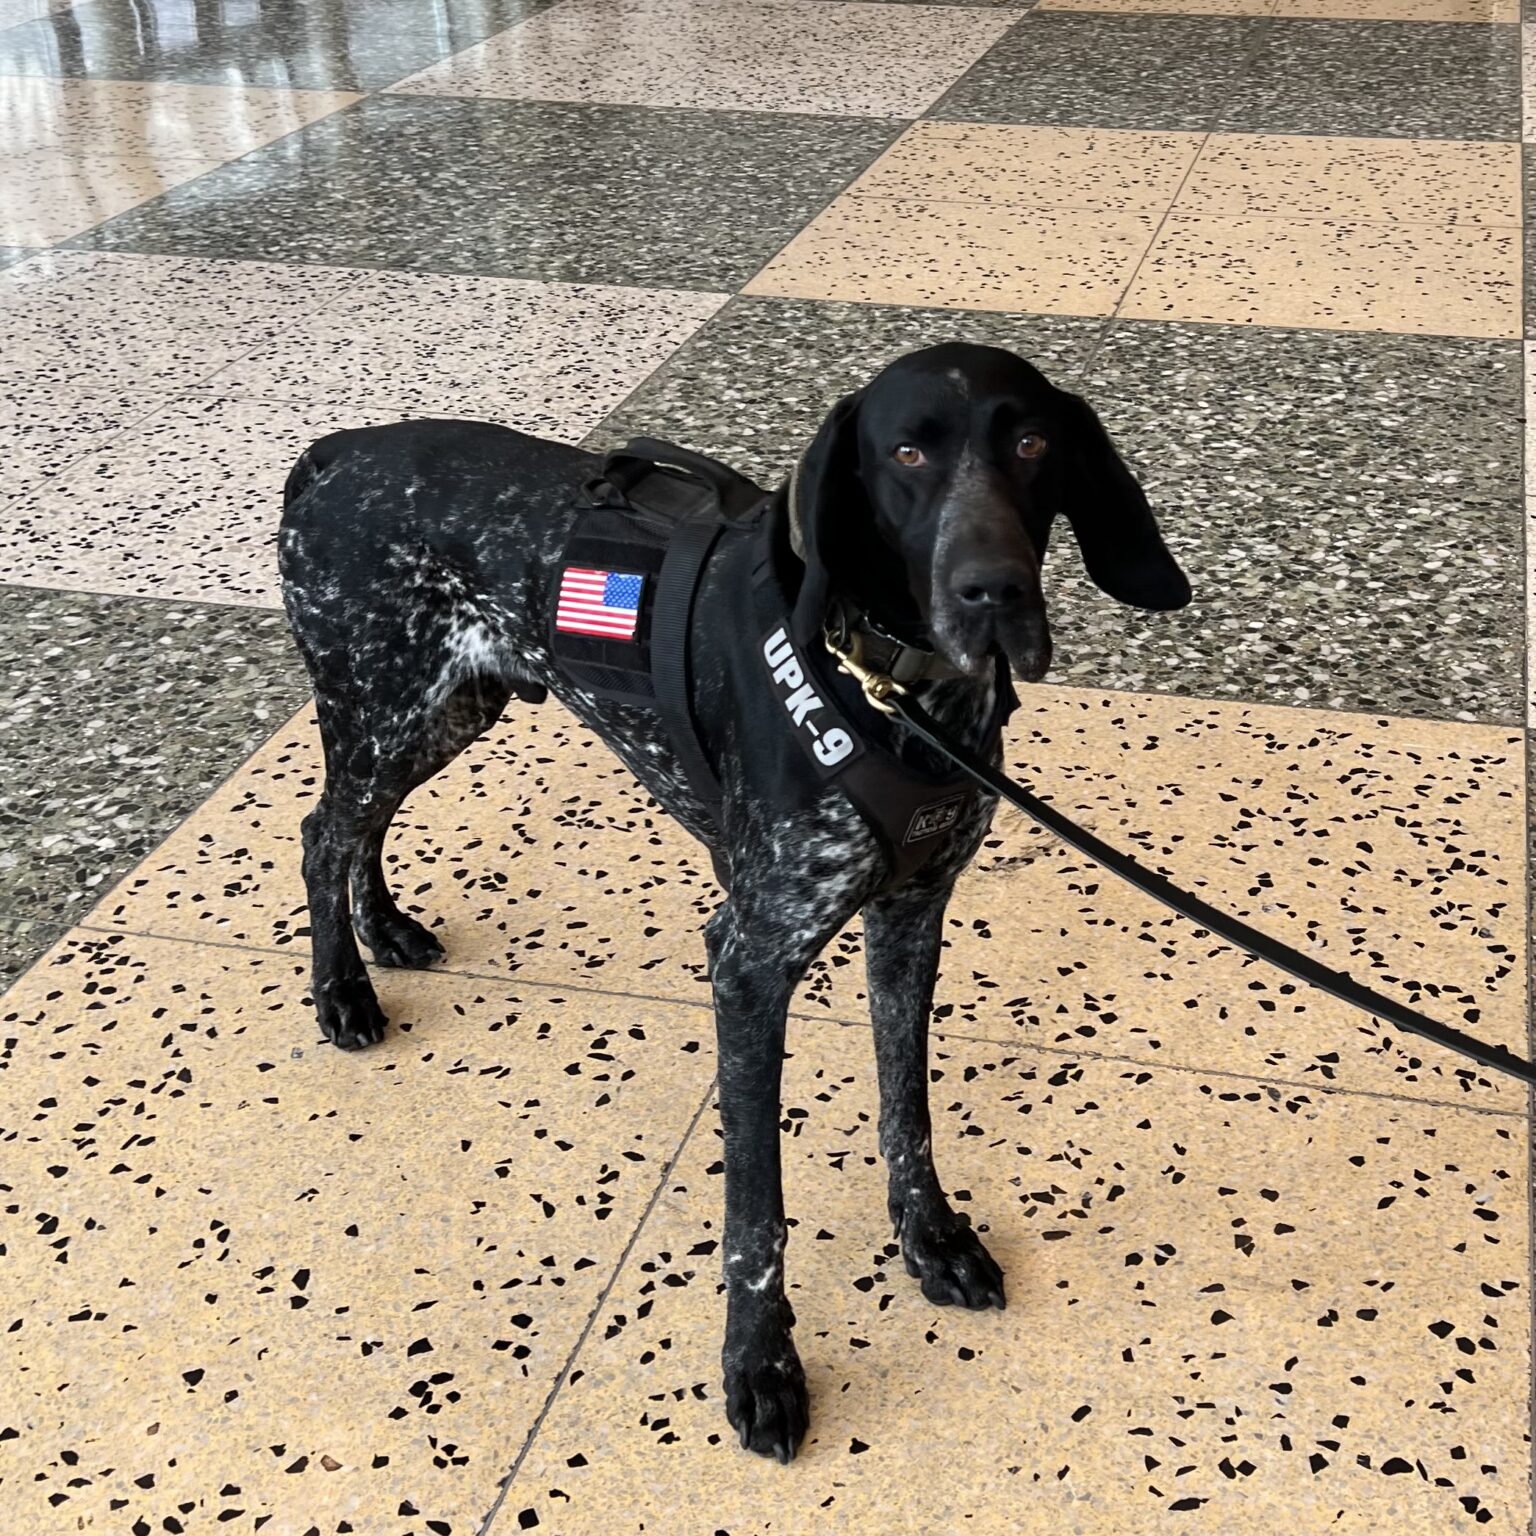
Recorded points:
(1165, 7)
(551, 358)
(961, 256)
(1421, 278)
(787, 56)
(161, 121)
(185, 504)
(245, 1271)
(1398, 843)
(1528, 81)
(1401, 10)
(108, 320)
(1530, 606)
(534, 854)
(1228, 1302)
(1398, 181)
(997, 163)
(1335, 233)
(42, 430)
(1391, 849)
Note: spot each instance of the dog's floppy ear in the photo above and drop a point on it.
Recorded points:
(828, 512)
(1115, 529)
(828, 502)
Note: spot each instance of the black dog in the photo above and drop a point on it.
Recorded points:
(420, 566)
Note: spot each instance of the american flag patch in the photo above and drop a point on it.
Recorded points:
(605, 603)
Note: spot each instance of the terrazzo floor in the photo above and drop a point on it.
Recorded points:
(1267, 1260)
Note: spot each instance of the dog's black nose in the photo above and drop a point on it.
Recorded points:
(995, 585)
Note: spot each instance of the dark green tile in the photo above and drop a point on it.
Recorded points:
(626, 195)
(347, 46)
(1347, 505)
(117, 718)
(1349, 510)
(22, 941)
(1428, 80)
(1247, 75)
(1108, 71)
(755, 382)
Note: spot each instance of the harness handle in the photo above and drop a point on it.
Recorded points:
(644, 458)
(895, 700)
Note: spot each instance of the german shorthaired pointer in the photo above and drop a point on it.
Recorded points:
(420, 565)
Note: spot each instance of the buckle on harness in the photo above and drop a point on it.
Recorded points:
(847, 649)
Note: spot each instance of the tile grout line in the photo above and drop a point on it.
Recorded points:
(841, 1021)
(613, 1280)
(1157, 234)
(1451, 225)
(907, 126)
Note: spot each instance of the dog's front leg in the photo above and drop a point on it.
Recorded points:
(753, 978)
(902, 937)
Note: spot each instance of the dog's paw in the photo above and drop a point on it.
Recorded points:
(400, 941)
(766, 1400)
(350, 1016)
(952, 1266)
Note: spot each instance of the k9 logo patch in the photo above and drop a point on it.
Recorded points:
(939, 816)
(818, 727)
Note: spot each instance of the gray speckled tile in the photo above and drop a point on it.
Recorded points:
(116, 718)
(1348, 508)
(1098, 71)
(1443, 80)
(755, 382)
(1247, 75)
(290, 43)
(23, 940)
(785, 56)
(629, 195)
(1327, 491)
(11, 254)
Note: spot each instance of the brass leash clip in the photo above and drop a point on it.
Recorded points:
(877, 686)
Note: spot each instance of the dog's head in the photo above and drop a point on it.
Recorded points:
(928, 497)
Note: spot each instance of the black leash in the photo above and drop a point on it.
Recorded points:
(892, 699)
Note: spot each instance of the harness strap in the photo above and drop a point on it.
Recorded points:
(897, 702)
(671, 620)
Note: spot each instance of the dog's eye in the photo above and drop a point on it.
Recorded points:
(905, 453)
(1031, 445)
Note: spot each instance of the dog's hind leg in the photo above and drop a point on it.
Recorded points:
(902, 937)
(378, 748)
(394, 937)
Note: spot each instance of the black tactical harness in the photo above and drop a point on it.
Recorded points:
(659, 511)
